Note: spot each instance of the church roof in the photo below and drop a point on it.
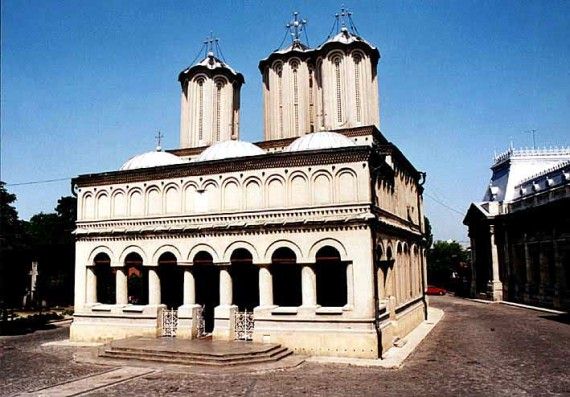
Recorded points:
(211, 65)
(229, 149)
(345, 38)
(319, 140)
(151, 159)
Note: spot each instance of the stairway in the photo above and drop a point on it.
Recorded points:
(194, 352)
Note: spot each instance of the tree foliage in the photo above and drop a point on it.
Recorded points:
(444, 258)
(45, 238)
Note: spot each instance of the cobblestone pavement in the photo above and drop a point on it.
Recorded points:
(476, 350)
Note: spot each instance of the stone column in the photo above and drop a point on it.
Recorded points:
(543, 270)
(91, 296)
(560, 275)
(265, 286)
(226, 287)
(189, 297)
(309, 286)
(350, 285)
(494, 287)
(153, 287)
(121, 287)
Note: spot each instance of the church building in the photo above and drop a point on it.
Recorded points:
(311, 238)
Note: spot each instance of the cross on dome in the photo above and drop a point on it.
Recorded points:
(295, 27)
(159, 137)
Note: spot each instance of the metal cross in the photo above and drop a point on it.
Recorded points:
(296, 27)
(159, 138)
(209, 42)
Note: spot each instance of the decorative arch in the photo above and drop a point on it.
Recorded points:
(101, 249)
(347, 185)
(231, 194)
(136, 249)
(153, 199)
(172, 198)
(203, 247)
(119, 202)
(276, 191)
(328, 241)
(299, 189)
(274, 246)
(240, 244)
(135, 207)
(322, 189)
(88, 210)
(166, 248)
(253, 193)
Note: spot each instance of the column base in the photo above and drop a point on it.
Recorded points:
(224, 322)
(495, 290)
(188, 321)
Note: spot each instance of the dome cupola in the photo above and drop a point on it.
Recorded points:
(319, 140)
(229, 149)
(288, 85)
(155, 158)
(210, 99)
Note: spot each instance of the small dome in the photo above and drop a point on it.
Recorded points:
(319, 140)
(229, 149)
(151, 159)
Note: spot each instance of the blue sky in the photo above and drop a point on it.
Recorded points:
(86, 84)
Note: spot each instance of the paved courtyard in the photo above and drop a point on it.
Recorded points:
(477, 349)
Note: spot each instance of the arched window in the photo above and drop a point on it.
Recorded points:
(279, 71)
(245, 278)
(338, 81)
(295, 69)
(286, 278)
(331, 278)
(200, 108)
(171, 280)
(137, 279)
(219, 87)
(357, 97)
(106, 280)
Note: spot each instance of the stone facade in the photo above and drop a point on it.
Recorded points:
(320, 236)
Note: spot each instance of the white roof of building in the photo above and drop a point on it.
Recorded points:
(319, 140)
(229, 149)
(151, 159)
(517, 165)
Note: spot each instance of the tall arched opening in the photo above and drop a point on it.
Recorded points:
(207, 284)
(245, 279)
(106, 280)
(331, 278)
(171, 280)
(137, 280)
(286, 274)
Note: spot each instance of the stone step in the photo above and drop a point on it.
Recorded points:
(196, 359)
(206, 355)
(196, 356)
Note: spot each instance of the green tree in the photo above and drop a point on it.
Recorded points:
(13, 273)
(443, 259)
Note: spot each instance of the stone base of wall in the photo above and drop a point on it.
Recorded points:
(404, 322)
(105, 329)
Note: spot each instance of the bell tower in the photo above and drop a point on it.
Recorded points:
(346, 78)
(288, 89)
(210, 99)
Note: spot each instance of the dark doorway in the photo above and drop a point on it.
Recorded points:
(245, 279)
(331, 278)
(207, 282)
(171, 281)
(106, 280)
(286, 278)
(137, 279)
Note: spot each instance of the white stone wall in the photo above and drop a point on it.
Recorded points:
(230, 192)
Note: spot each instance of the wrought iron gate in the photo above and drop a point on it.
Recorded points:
(168, 322)
(244, 325)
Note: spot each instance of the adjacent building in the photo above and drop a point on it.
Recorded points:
(520, 232)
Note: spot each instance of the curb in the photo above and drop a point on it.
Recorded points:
(519, 305)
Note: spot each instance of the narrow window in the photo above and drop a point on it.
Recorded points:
(200, 108)
(295, 67)
(219, 87)
(279, 70)
(357, 60)
(338, 90)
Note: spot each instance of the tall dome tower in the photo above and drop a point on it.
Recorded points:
(288, 89)
(346, 76)
(210, 100)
